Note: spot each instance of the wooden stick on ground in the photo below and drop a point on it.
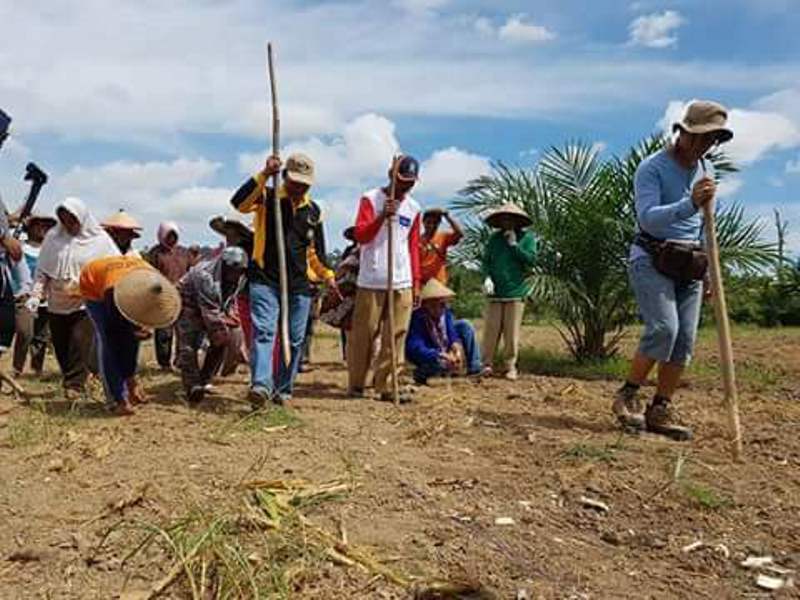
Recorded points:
(723, 331)
(390, 284)
(282, 273)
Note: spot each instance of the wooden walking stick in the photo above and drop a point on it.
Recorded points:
(276, 209)
(723, 330)
(390, 283)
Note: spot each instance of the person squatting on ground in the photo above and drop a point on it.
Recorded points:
(437, 343)
(125, 297)
(208, 292)
(123, 229)
(10, 253)
(239, 235)
(173, 261)
(33, 330)
(66, 249)
(369, 316)
(507, 263)
(434, 244)
(670, 191)
(301, 226)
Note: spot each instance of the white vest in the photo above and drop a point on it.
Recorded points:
(373, 273)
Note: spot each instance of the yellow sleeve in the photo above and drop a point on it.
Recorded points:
(316, 266)
(254, 196)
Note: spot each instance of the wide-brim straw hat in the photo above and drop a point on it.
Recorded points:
(147, 298)
(122, 220)
(705, 116)
(43, 219)
(508, 210)
(436, 290)
(225, 227)
(434, 212)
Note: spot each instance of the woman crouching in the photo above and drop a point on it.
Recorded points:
(125, 297)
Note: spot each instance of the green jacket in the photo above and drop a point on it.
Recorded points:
(509, 266)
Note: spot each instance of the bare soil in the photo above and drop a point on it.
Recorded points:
(432, 483)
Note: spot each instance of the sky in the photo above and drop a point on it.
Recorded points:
(161, 108)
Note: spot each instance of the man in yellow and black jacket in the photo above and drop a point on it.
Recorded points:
(305, 252)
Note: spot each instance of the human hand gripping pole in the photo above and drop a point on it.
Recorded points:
(276, 211)
(723, 327)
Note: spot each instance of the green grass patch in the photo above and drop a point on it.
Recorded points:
(554, 364)
(705, 496)
(590, 453)
(270, 418)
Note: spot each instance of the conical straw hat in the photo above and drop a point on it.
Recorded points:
(121, 220)
(147, 298)
(436, 290)
(510, 210)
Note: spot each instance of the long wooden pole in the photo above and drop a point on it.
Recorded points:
(276, 210)
(390, 283)
(723, 332)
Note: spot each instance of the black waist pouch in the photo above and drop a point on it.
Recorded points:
(683, 262)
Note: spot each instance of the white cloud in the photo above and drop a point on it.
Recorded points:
(484, 27)
(420, 6)
(756, 133)
(729, 187)
(447, 171)
(656, 30)
(599, 147)
(517, 30)
(362, 150)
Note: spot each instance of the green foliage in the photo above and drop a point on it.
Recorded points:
(553, 364)
(765, 300)
(468, 285)
(706, 497)
(583, 214)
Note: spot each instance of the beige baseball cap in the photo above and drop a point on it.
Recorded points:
(705, 116)
(300, 168)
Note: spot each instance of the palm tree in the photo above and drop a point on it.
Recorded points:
(583, 213)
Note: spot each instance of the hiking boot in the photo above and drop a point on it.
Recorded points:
(512, 374)
(627, 408)
(258, 397)
(660, 417)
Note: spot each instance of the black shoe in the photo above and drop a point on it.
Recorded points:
(258, 398)
(196, 395)
(661, 418)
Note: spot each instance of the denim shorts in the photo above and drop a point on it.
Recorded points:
(671, 313)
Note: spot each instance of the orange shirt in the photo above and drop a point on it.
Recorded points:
(433, 256)
(101, 274)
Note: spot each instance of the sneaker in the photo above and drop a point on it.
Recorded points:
(660, 417)
(258, 397)
(512, 374)
(627, 407)
(196, 395)
(281, 399)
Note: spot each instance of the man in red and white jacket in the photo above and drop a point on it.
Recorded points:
(369, 316)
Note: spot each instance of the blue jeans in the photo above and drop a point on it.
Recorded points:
(117, 349)
(671, 313)
(472, 354)
(265, 313)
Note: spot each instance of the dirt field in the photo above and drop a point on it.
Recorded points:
(482, 483)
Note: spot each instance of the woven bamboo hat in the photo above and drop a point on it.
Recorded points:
(508, 210)
(122, 220)
(147, 298)
(436, 290)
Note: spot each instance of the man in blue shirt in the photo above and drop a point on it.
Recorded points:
(671, 188)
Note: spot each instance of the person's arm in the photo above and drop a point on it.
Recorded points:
(488, 257)
(250, 194)
(651, 213)
(11, 244)
(417, 349)
(368, 224)
(450, 325)
(319, 268)
(457, 233)
(525, 250)
(209, 301)
(413, 249)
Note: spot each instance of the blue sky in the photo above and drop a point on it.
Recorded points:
(163, 110)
